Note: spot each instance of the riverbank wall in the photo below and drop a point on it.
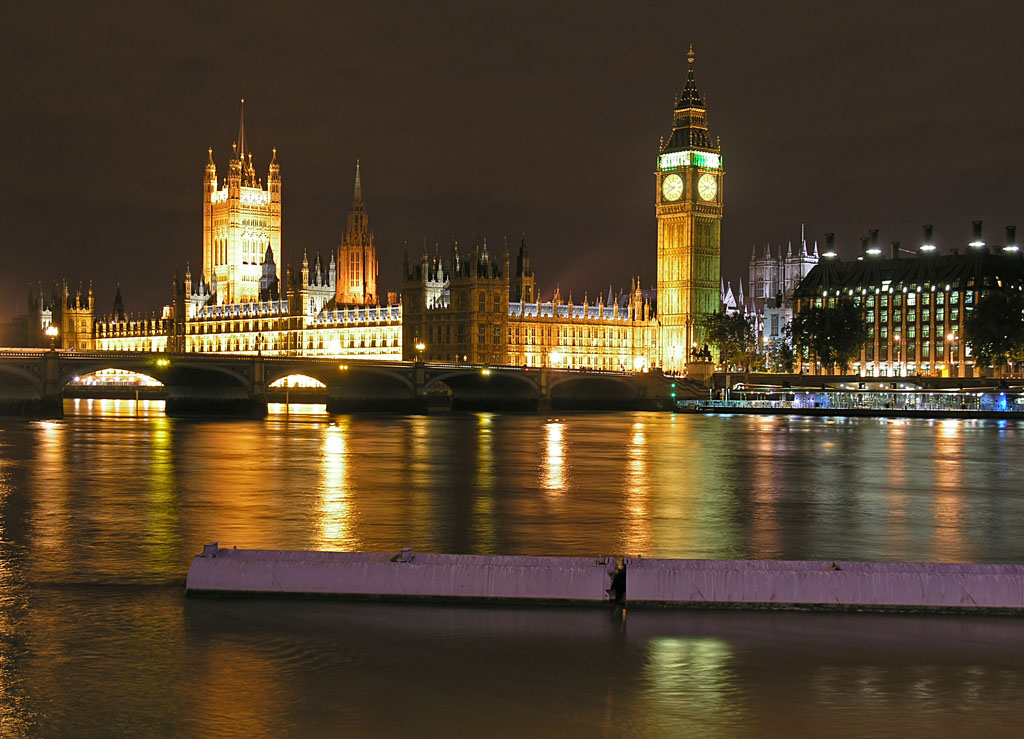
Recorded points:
(403, 576)
(637, 582)
(824, 585)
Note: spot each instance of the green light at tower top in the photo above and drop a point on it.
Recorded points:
(677, 159)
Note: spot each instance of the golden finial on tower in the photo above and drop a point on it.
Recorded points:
(689, 54)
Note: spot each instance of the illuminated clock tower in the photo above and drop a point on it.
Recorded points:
(689, 209)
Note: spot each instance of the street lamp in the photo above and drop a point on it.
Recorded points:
(52, 332)
(420, 347)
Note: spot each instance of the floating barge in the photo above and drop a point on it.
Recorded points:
(637, 582)
(823, 585)
(402, 576)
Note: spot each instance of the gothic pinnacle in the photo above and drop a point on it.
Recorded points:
(241, 133)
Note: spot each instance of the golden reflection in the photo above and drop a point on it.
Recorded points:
(766, 490)
(334, 519)
(896, 501)
(689, 681)
(948, 502)
(638, 520)
(297, 409)
(51, 520)
(554, 474)
(485, 451)
(161, 506)
(483, 502)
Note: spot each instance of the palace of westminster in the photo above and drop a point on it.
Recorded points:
(480, 305)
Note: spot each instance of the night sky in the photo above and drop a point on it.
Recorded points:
(490, 120)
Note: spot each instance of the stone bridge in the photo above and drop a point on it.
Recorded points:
(33, 382)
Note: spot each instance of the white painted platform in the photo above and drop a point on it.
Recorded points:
(823, 584)
(401, 575)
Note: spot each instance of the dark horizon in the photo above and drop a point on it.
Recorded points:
(467, 122)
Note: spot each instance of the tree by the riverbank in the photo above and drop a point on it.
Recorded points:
(833, 335)
(734, 338)
(995, 328)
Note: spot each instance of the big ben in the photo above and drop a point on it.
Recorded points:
(689, 210)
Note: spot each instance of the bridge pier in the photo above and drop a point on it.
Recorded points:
(48, 402)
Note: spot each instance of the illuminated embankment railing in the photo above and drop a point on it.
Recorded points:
(244, 310)
(391, 314)
(568, 312)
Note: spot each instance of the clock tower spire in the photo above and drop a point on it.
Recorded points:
(688, 205)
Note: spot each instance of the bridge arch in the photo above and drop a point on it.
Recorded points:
(338, 374)
(485, 388)
(79, 376)
(169, 371)
(24, 374)
(593, 391)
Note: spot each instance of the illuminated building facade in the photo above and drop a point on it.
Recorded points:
(470, 310)
(241, 220)
(357, 255)
(916, 307)
(71, 313)
(689, 200)
(772, 281)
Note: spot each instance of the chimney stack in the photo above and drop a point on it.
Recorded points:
(873, 248)
(1011, 239)
(830, 247)
(976, 240)
(894, 248)
(927, 243)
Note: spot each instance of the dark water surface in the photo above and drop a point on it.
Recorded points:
(101, 513)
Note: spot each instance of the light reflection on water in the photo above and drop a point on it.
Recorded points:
(101, 512)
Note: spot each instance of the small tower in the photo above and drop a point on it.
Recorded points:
(523, 282)
(357, 254)
(241, 219)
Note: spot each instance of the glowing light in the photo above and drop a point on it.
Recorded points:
(928, 247)
(554, 458)
(485, 371)
(674, 159)
(343, 367)
(977, 243)
(297, 381)
(555, 356)
(639, 364)
(254, 196)
(162, 362)
(51, 331)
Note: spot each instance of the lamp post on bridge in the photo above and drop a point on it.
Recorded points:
(52, 332)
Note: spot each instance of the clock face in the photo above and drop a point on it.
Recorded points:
(707, 186)
(672, 187)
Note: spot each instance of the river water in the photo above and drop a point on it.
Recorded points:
(101, 512)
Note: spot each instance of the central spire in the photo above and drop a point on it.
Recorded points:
(358, 190)
(689, 121)
(241, 133)
(690, 97)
